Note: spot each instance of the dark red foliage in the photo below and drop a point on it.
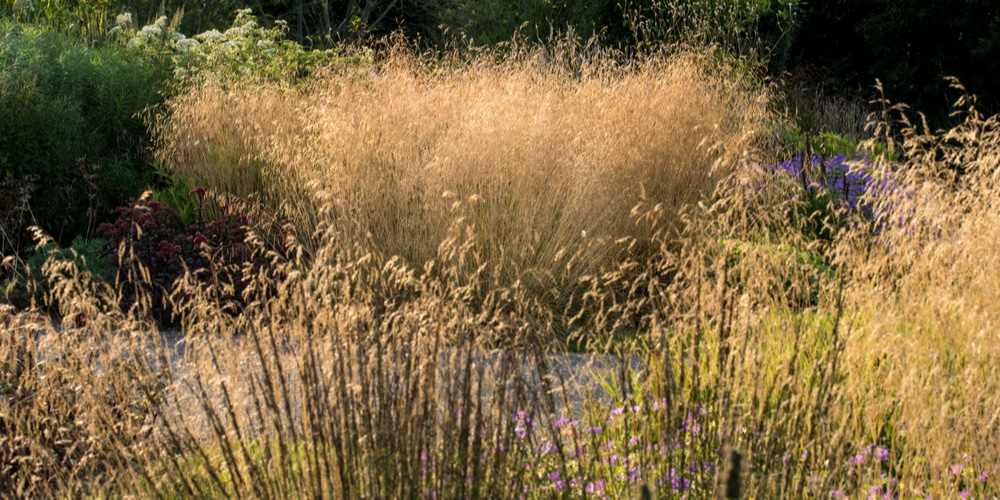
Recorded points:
(199, 192)
(144, 233)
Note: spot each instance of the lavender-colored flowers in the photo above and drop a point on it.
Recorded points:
(594, 487)
(675, 481)
(850, 184)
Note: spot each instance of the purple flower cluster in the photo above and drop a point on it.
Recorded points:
(845, 181)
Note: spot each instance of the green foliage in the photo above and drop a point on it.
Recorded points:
(251, 51)
(91, 20)
(197, 16)
(793, 141)
(88, 255)
(246, 51)
(79, 19)
(174, 191)
(71, 118)
(749, 28)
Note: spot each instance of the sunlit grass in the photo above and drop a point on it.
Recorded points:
(542, 165)
(435, 213)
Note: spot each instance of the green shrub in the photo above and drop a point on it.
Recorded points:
(793, 141)
(88, 256)
(72, 118)
(247, 51)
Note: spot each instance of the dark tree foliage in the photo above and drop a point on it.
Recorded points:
(910, 45)
(434, 21)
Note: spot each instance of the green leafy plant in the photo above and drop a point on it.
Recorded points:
(174, 191)
(89, 257)
(246, 50)
(71, 119)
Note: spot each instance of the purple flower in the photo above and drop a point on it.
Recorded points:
(882, 454)
(676, 481)
(594, 429)
(874, 491)
(957, 469)
(547, 448)
(523, 417)
(595, 487)
(858, 459)
(693, 427)
(964, 495)
(554, 476)
(633, 475)
(836, 494)
(563, 422)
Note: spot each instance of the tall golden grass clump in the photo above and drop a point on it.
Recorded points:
(542, 163)
(922, 362)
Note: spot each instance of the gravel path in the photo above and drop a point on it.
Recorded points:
(582, 376)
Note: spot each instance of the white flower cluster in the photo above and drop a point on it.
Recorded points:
(211, 36)
(23, 6)
(159, 30)
(151, 31)
(124, 21)
(187, 44)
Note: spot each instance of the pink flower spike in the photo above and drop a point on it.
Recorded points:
(199, 192)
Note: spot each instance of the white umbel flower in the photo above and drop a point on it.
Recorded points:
(211, 36)
(151, 31)
(124, 20)
(187, 44)
(24, 6)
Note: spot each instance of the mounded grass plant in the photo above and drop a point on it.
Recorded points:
(541, 163)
